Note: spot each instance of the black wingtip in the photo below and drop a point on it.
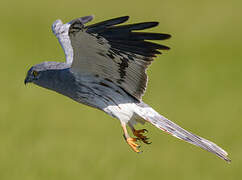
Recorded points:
(128, 38)
(105, 24)
(137, 26)
(118, 20)
(124, 17)
(114, 21)
(168, 36)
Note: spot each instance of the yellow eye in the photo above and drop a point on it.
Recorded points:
(35, 73)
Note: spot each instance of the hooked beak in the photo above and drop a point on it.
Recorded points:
(27, 80)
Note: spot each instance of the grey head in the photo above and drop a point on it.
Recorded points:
(46, 74)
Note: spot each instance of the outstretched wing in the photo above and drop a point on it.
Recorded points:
(111, 51)
(61, 31)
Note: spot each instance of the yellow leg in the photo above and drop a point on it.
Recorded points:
(130, 141)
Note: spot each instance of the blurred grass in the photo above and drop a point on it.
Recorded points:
(197, 84)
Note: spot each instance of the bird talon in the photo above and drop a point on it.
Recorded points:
(147, 142)
(133, 145)
(140, 136)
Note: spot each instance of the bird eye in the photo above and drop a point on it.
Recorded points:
(35, 73)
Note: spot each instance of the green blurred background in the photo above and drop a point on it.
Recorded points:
(197, 84)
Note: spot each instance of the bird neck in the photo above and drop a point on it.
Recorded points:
(59, 80)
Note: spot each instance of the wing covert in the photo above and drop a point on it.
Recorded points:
(115, 52)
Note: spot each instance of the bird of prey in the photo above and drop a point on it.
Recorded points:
(105, 68)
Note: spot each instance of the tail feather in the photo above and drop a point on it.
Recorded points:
(170, 127)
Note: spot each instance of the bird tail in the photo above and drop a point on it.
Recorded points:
(150, 115)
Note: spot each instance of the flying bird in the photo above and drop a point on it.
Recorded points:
(105, 68)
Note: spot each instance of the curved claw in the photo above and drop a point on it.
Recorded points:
(141, 131)
(147, 142)
(140, 152)
(140, 136)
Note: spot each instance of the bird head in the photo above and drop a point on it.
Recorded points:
(33, 75)
(41, 73)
